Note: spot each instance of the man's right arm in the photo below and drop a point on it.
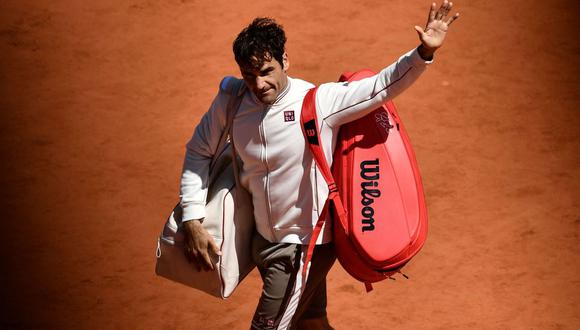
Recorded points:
(199, 152)
(194, 182)
(340, 103)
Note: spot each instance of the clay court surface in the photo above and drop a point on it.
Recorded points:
(98, 99)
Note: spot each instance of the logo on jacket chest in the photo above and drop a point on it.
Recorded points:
(289, 115)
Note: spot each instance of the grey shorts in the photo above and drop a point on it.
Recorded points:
(285, 299)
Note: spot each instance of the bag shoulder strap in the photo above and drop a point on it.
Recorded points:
(236, 89)
(310, 128)
(311, 132)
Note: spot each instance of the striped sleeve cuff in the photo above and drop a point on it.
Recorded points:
(193, 211)
(416, 59)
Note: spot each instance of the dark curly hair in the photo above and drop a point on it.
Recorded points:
(260, 41)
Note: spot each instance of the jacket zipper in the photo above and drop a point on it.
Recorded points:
(265, 161)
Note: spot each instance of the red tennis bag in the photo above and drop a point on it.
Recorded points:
(378, 205)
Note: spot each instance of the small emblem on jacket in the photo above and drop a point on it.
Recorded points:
(289, 115)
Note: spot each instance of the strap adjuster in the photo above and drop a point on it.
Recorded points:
(332, 188)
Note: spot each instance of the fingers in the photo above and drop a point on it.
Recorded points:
(198, 246)
(453, 18)
(208, 264)
(200, 257)
(203, 256)
(447, 9)
(420, 31)
(214, 248)
(432, 13)
(192, 257)
(441, 12)
(210, 247)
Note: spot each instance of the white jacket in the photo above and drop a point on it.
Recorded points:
(279, 171)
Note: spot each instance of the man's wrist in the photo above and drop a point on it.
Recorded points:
(190, 223)
(426, 53)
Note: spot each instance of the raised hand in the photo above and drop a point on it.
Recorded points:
(434, 33)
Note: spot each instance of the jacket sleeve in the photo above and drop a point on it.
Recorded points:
(340, 103)
(198, 155)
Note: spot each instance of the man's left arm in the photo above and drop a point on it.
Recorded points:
(340, 103)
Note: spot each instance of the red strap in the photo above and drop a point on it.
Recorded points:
(368, 286)
(340, 210)
(311, 132)
(312, 243)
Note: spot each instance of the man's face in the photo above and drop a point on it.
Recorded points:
(268, 80)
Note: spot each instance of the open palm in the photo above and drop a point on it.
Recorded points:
(434, 33)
